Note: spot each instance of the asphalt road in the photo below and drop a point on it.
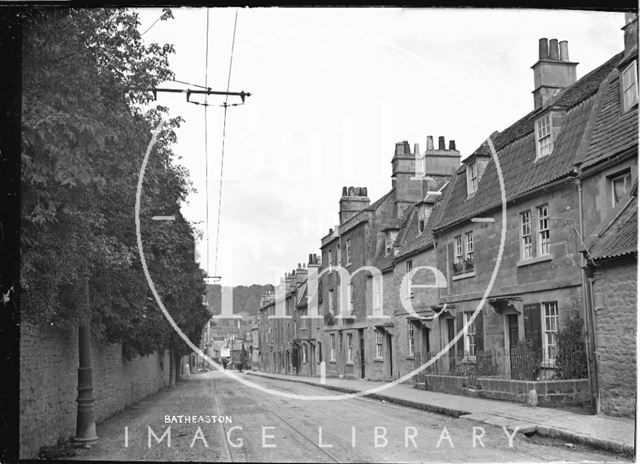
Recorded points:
(261, 427)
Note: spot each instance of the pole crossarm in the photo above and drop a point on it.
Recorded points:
(190, 92)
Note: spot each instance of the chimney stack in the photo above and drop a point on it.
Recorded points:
(429, 143)
(552, 72)
(553, 50)
(354, 199)
(564, 50)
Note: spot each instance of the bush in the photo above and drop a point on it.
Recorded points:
(571, 354)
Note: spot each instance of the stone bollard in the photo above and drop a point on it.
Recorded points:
(532, 398)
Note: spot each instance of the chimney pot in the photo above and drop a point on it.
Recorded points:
(429, 142)
(564, 50)
(452, 144)
(344, 191)
(441, 143)
(543, 49)
(416, 149)
(553, 50)
(364, 191)
(351, 191)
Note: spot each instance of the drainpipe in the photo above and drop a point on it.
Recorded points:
(588, 312)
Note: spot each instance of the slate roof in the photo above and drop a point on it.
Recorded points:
(516, 151)
(614, 131)
(410, 240)
(620, 236)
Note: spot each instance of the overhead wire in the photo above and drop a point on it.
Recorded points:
(206, 143)
(224, 133)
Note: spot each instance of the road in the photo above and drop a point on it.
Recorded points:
(267, 428)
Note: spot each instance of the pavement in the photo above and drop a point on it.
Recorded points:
(598, 431)
(273, 423)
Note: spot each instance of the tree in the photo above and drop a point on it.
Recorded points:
(87, 120)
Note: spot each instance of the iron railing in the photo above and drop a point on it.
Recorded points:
(515, 364)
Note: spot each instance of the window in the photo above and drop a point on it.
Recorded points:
(544, 140)
(409, 265)
(411, 337)
(303, 320)
(472, 178)
(331, 301)
(629, 86)
(543, 230)
(319, 352)
(378, 344)
(350, 299)
(304, 353)
(332, 353)
(550, 338)
(349, 348)
(526, 250)
(347, 246)
(620, 185)
(469, 335)
(458, 257)
(330, 260)
(389, 241)
(469, 253)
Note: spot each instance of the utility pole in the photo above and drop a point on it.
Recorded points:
(86, 423)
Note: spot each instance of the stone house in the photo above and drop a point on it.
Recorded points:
(358, 285)
(415, 276)
(608, 181)
(514, 273)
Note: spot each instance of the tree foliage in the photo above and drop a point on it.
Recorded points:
(87, 119)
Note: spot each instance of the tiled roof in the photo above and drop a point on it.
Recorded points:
(620, 237)
(516, 151)
(410, 238)
(614, 131)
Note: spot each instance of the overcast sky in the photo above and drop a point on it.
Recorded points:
(333, 91)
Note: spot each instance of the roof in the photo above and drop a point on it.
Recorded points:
(410, 239)
(620, 236)
(516, 151)
(614, 130)
(376, 204)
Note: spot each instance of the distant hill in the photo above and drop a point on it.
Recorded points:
(246, 300)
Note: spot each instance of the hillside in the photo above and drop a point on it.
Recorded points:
(246, 300)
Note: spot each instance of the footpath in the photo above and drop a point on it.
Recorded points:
(609, 433)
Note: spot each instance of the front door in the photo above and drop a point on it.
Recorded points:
(512, 323)
(389, 355)
(451, 333)
(362, 364)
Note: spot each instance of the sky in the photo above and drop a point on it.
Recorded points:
(333, 90)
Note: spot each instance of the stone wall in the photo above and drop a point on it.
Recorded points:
(550, 392)
(615, 300)
(49, 381)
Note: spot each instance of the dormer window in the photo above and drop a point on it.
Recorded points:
(390, 239)
(544, 136)
(630, 86)
(423, 217)
(472, 178)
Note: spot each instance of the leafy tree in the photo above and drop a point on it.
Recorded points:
(87, 120)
